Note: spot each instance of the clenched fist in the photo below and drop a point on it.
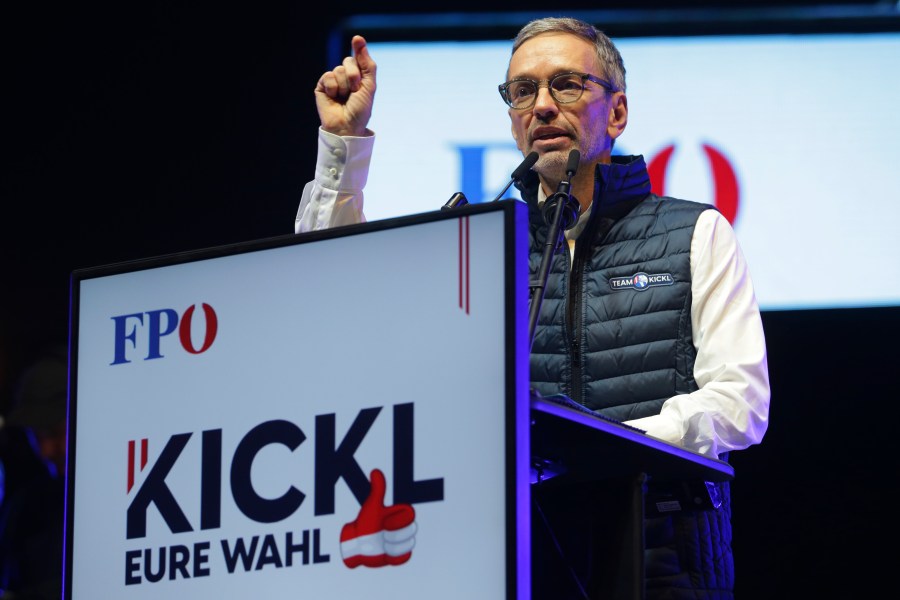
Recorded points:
(344, 95)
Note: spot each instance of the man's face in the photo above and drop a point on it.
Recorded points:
(553, 129)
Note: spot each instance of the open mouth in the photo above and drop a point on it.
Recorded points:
(543, 138)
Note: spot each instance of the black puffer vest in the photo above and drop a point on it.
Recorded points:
(614, 334)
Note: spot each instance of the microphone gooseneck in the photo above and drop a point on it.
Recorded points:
(560, 211)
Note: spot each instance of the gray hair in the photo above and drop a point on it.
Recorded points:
(610, 60)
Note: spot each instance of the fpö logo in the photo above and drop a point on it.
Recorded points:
(474, 160)
(377, 535)
(140, 335)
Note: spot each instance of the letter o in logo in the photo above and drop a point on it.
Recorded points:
(725, 183)
(184, 329)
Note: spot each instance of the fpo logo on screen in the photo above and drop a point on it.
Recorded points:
(139, 336)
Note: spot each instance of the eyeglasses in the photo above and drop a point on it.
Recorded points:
(565, 88)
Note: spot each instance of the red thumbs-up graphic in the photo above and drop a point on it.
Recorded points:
(381, 535)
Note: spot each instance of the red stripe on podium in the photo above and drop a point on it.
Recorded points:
(130, 464)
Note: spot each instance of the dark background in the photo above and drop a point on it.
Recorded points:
(133, 130)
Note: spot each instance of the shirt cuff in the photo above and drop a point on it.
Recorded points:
(660, 427)
(343, 161)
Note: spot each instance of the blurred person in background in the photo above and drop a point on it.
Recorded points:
(32, 507)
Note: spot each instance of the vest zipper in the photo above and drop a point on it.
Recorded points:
(573, 322)
(595, 231)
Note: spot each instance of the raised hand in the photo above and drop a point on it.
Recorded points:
(381, 535)
(344, 96)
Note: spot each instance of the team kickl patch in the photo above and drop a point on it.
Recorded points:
(640, 281)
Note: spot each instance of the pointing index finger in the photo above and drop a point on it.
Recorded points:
(361, 53)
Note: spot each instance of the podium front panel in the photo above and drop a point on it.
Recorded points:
(341, 414)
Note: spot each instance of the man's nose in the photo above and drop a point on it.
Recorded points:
(544, 104)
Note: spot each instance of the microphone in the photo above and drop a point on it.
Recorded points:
(560, 212)
(572, 164)
(519, 173)
(457, 199)
(571, 208)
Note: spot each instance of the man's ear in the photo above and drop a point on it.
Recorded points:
(618, 115)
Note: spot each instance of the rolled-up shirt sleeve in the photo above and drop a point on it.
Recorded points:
(335, 196)
(730, 409)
